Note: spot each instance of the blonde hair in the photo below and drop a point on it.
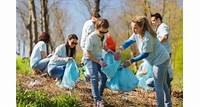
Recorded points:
(143, 22)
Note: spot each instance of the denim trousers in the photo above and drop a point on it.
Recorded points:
(42, 65)
(97, 78)
(162, 91)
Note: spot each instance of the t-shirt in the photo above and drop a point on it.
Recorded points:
(88, 28)
(148, 44)
(163, 30)
(36, 53)
(94, 44)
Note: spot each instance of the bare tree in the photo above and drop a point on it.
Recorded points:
(33, 20)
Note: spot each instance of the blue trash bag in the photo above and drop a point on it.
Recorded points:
(144, 67)
(124, 81)
(71, 75)
(119, 78)
(112, 65)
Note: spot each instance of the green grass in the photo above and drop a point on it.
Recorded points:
(29, 98)
(23, 65)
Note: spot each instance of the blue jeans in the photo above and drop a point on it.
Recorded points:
(161, 87)
(57, 71)
(42, 65)
(97, 78)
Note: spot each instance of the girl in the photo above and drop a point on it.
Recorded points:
(39, 60)
(152, 51)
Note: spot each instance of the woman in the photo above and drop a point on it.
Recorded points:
(39, 59)
(63, 54)
(152, 51)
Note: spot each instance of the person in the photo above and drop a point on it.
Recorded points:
(145, 76)
(88, 28)
(162, 31)
(63, 54)
(39, 59)
(152, 51)
(93, 60)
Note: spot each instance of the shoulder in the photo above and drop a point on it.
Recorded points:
(163, 26)
(88, 22)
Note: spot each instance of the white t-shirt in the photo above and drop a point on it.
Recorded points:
(163, 30)
(36, 53)
(88, 28)
(94, 45)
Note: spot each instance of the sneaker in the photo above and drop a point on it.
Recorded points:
(100, 104)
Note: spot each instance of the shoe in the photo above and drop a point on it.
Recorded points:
(100, 104)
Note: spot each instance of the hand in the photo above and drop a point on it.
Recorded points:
(102, 63)
(117, 56)
(127, 63)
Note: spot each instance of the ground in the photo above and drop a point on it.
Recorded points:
(135, 98)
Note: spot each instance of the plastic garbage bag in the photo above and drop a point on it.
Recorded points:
(119, 78)
(144, 73)
(71, 75)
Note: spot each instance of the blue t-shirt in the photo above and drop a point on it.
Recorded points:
(36, 53)
(148, 44)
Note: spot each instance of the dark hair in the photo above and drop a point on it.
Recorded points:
(44, 36)
(70, 52)
(157, 15)
(102, 23)
(95, 14)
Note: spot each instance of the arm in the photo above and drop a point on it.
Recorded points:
(163, 38)
(139, 57)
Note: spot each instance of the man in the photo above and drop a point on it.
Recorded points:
(162, 31)
(88, 28)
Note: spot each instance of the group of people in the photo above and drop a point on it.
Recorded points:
(154, 49)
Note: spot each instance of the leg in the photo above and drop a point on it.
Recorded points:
(57, 72)
(103, 80)
(93, 70)
(42, 65)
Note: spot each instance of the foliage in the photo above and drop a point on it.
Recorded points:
(23, 65)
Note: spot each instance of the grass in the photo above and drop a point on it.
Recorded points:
(23, 65)
(29, 98)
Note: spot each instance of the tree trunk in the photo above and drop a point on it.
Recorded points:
(44, 16)
(147, 9)
(34, 20)
(163, 9)
(29, 31)
(97, 4)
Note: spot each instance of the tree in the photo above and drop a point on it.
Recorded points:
(32, 14)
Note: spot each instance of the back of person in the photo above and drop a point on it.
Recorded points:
(88, 28)
(36, 53)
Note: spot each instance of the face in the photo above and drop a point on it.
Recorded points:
(94, 19)
(102, 31)
(136, 29)
(72, 43)
(154, 21)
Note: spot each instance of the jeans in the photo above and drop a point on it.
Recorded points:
(161, 87)
(57, 71)
(97, 78)
(42, 65)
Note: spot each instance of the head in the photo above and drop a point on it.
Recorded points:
(156, 19)
(72, 40)
(140, 24)
(44, 37)
(95, 16)
(102, 26)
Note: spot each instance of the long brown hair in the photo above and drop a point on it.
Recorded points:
(143, 22)
(70, 52)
